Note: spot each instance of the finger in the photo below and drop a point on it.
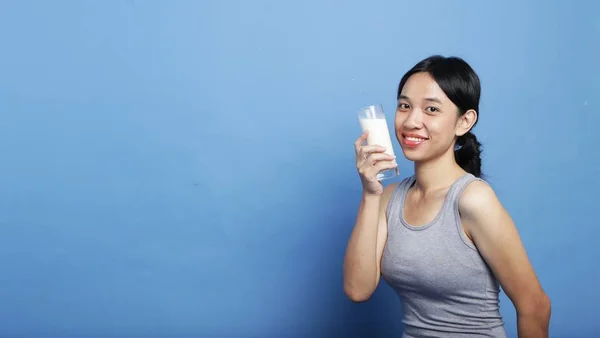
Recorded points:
(384, 165)
(359, 142)
(365, 151)
(370, 171)
(378, 157)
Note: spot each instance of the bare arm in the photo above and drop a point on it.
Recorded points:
(362, 262)
(496, 237)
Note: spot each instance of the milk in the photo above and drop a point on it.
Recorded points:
(379, 133)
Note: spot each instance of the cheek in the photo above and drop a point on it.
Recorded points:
(436, 126)
(399, 120)
(442, 128)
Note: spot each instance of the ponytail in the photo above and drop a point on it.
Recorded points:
(468, 153)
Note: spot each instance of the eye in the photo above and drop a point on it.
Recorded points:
(403, 107)
(432, 110)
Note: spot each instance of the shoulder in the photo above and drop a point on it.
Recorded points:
(390, 188)
(395, 188)
(390, 194)
(483, 216)
(388, 191)
(479, 200)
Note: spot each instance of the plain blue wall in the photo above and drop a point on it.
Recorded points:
(185, 168)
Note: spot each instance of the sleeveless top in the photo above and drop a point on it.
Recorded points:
(445, 287)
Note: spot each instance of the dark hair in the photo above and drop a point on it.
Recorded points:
(462, 86)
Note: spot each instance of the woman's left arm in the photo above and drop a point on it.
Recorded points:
(493, 231)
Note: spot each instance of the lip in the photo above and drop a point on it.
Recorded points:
(410, 143)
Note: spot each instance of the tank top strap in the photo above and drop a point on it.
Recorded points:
(457, 189)
(452, 207)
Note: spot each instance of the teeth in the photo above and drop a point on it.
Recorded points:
(415, 139)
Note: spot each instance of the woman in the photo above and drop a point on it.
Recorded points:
(440, 239)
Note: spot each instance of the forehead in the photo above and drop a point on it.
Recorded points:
(420, 86)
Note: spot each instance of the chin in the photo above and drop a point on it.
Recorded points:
(414, 156)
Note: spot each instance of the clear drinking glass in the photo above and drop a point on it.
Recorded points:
(372, 118)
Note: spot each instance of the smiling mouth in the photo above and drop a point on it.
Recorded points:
(413, 141)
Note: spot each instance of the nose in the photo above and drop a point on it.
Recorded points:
(413, 120)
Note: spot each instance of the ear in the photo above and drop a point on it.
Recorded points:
(466, 122)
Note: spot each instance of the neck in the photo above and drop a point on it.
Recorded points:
(437, 173)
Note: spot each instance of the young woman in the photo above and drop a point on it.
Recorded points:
(440, 238)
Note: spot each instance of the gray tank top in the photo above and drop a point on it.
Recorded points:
(445, 287)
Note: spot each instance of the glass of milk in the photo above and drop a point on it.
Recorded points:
(372, 118)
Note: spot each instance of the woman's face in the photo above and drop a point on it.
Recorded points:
(427, 122)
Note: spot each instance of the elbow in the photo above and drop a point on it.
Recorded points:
(357, 295)
(540, 306)
(546, 306)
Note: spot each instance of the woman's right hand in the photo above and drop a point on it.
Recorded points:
(370, 160)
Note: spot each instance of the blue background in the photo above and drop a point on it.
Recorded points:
(186, 168)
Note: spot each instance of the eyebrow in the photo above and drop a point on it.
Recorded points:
(431, 99)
